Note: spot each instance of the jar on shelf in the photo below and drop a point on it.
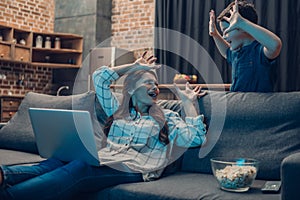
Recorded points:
(48, 43)
(39, 41)
(22, 42)
(57, 43)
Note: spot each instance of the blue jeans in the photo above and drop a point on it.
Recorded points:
(53, 179)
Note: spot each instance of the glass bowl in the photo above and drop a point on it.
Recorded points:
(234, 175)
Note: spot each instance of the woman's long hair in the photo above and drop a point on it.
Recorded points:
(126, 105)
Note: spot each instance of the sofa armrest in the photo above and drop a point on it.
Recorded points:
(290, 175)
(2, 124)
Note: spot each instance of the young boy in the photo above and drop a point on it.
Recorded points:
(249, 48)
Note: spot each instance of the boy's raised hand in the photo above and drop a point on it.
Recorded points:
(212, 23)
(189, 94)
(234, 20)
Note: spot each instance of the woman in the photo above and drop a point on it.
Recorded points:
(139, 133)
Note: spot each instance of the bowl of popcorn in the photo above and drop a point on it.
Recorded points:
(234, 175)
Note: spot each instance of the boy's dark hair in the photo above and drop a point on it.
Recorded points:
(246, 10)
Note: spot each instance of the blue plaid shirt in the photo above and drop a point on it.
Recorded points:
(135, 141)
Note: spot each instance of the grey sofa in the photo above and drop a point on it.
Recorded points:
(253, 125)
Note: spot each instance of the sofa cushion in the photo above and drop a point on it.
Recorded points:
(18, 133)
(12, 157)
(264, 126)
(180, 186)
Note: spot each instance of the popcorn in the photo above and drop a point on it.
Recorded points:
(233, 177)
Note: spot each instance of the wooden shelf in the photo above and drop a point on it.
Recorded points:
(19, 35)
(53, 50)
(54, 65)
(5, 51)
(16, 61)
(21, 53)
(7, 33)
(67, 55)
(5, 42)
(6, 60)
(62, 35)
(20, 46)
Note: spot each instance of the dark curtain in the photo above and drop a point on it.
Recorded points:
(181, 23)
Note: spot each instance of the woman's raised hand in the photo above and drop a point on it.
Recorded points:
(142, 63)
(146, 63)
(189, 94)
(189, 99)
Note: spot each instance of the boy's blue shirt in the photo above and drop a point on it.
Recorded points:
(251, 69)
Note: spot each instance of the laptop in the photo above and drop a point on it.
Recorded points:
(64, 134)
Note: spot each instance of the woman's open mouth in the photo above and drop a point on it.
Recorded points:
(153, 93)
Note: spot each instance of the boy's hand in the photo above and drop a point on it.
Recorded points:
(234, 20)
(212, 23)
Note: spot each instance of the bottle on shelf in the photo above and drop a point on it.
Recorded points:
(57, 43)
(39, 41)
(48, 43)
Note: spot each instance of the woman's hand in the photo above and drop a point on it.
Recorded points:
(144, 63)
(189, 99)
(189, 94)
